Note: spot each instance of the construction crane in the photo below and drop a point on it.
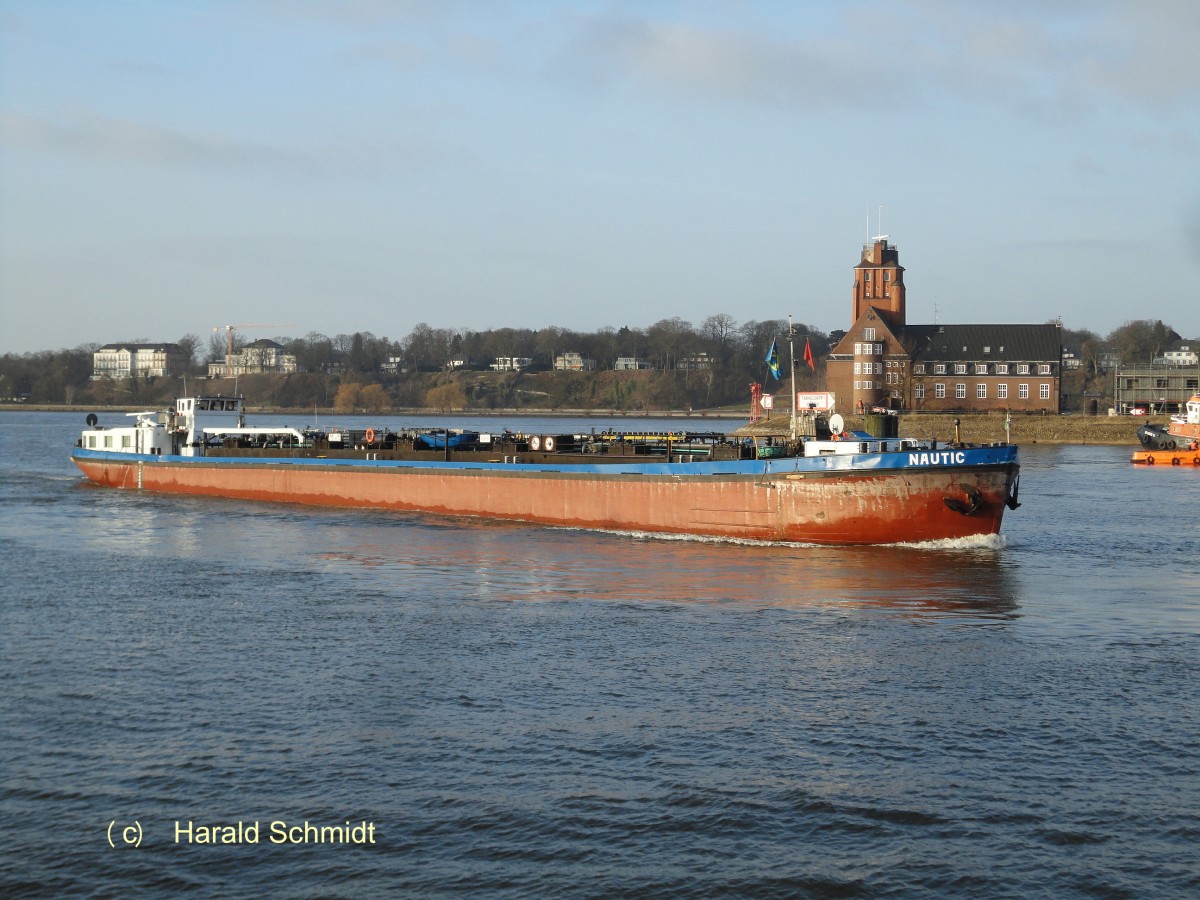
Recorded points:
(230, 329)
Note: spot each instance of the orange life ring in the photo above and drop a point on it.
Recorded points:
(370, 435)
(1175, 460)
(1150, 460)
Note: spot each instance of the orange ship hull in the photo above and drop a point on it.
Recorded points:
(869, 506)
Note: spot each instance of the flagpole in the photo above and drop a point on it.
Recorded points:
(792, 355)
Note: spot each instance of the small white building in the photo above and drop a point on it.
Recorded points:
(695, 361)
(628, 363)
(1183, 355)
(574, 362)
(511, 363)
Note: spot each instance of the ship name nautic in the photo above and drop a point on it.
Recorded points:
(945, 457)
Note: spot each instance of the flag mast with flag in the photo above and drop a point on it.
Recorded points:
(792, 361)
(772, 360)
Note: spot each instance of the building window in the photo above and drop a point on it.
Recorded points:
(1161, 382)
(887, 276)
(1002, 391)
(919, 369)
(939, 369)
(1022, 368)
(858, 368)
(1044, 391)
(981, 392)
(1044, 369)
(960, 391)
(1023, 391)
(1001, 368)
(858, 349)
(960, 368)
(919, 392)
(867, 275)
(980, 368)
(868, 334)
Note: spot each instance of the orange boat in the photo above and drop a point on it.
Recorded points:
(845, 487)
(1176, 445)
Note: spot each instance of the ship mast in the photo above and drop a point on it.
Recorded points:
(792, 361)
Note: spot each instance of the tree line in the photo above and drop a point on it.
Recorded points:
(414, 370)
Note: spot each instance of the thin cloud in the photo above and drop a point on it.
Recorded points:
(120, 140)
(729, 65)
(1042, 61)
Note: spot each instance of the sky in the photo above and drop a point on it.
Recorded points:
(168, 167)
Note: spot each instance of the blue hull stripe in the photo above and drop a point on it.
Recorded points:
(847, 463)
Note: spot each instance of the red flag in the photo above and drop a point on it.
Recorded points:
(808, 357)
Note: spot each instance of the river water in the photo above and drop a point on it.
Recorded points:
(509, 711)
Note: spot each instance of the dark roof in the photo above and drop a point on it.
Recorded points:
(266, 342)
(1003, 342)
(122, 345)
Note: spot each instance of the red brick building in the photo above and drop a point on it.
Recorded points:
(885, 362)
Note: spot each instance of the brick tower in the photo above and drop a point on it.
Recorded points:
(879, 282)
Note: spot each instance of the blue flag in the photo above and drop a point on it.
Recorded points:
(772, 360)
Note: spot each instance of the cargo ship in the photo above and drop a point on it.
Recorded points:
(1176, 445)
(836, 487)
